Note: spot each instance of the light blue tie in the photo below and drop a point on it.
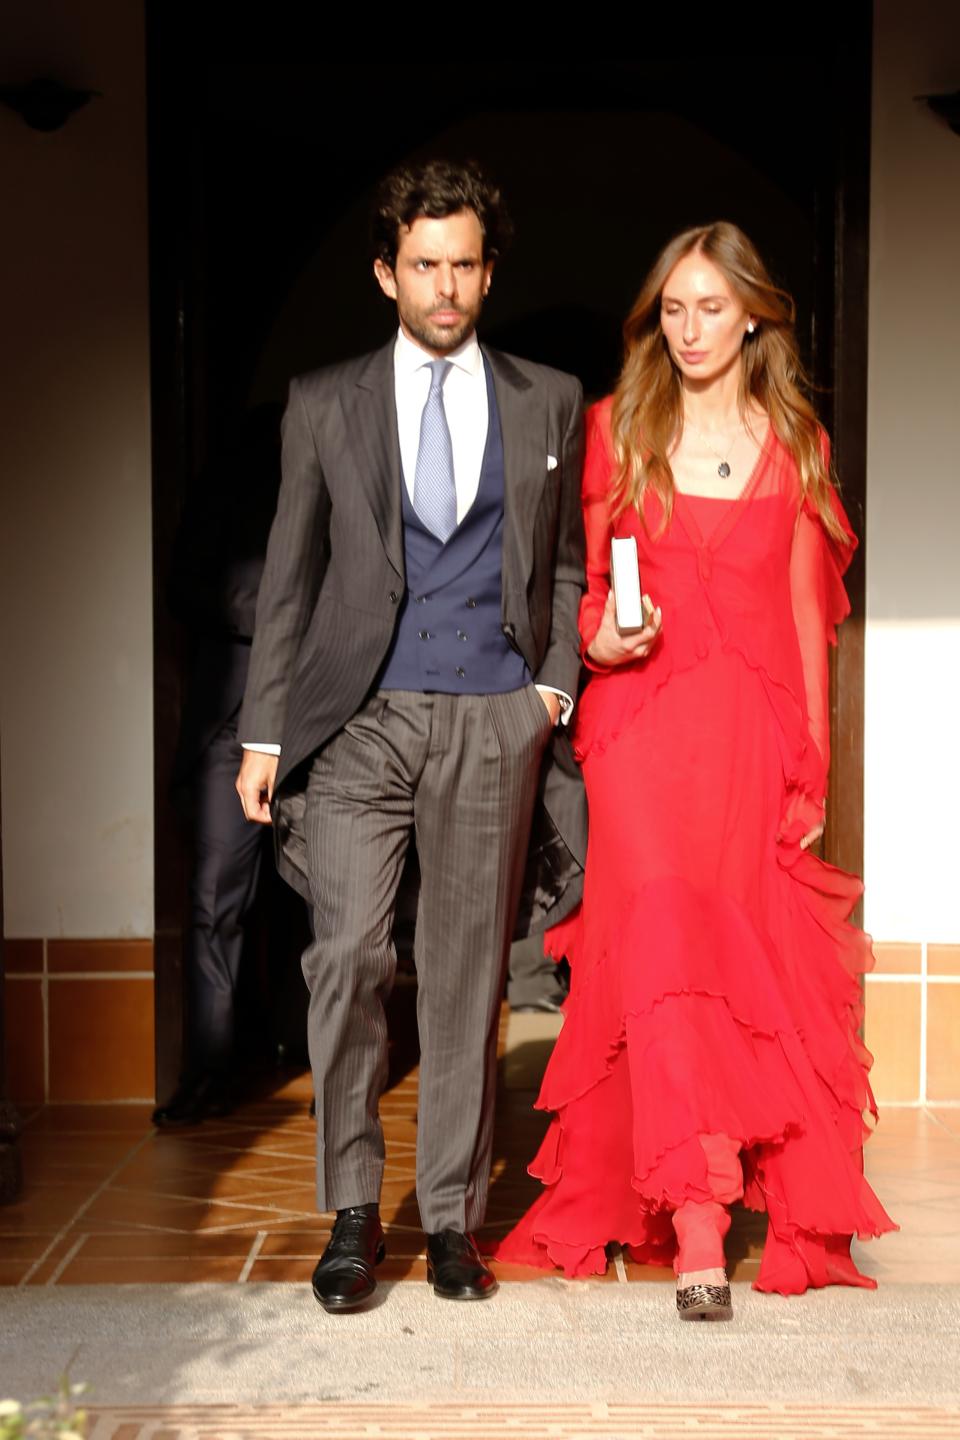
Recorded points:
(434, 487)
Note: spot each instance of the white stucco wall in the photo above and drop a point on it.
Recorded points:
(75, 563)
(913, 542)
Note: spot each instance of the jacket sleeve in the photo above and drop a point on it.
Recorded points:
(560, 669)
(295, 564)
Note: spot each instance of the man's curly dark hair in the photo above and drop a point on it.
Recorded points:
(435, 190)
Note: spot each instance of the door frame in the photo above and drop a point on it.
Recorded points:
(839, 347)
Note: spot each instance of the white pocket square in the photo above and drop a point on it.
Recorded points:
(551, 462)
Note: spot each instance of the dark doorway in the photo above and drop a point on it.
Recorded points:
(261, 176)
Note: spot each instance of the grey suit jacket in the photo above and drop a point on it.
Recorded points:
(334, 581)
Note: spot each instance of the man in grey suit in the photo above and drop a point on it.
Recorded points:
(415, 654)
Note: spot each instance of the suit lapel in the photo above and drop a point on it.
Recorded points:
(370, 409)
(523, 423)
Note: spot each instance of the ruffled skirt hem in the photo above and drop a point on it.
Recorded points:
(754, 1037)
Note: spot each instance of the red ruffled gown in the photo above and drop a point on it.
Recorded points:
(715, 976)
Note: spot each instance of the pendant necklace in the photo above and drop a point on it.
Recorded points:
(723, 469)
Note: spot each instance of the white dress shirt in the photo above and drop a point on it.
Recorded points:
(468, 416)
(464, 403)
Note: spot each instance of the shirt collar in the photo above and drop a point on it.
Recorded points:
(408, 356)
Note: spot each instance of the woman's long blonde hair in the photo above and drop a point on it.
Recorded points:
(647, 415)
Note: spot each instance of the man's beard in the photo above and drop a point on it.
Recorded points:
(440, 337)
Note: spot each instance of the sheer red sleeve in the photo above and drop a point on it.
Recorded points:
(597, 472)
(819, 600)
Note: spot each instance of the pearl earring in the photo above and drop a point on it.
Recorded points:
(750, 327)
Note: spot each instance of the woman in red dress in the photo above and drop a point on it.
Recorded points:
(710, 1051)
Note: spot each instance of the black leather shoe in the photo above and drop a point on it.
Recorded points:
(195, 1099)
(455, 1269)
(344, 1278)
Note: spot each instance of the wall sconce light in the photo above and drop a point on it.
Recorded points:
(44, 104)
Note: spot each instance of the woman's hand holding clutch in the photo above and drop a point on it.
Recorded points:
(611, 647)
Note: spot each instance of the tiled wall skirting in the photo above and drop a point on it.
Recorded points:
(79, 1020)
(913, 1023)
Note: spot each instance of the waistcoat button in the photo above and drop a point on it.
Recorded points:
(424, 634)
(471, 604)
(460, 672)
(461, 635)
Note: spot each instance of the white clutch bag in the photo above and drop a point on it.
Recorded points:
(627, 593)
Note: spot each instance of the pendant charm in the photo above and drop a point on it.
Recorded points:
(723, 469)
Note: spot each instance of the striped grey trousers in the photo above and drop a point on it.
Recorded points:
(461, 772)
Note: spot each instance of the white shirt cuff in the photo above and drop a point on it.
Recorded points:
(262, 749)
(566, 703)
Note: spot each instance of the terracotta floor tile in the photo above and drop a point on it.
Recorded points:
(402, 1268)
(919, 1189)
(301, 1244)
(295, 1088)
(910, 1245)
(151, 1245)
(59, 1249)
(410, 1234)
(13, 1271)
(294, 1244)
(919, 1272)
(290, 1197)
(23, 1247)
(236, 1129)
(919, 1149)
(318, 1225)
(73, 1119)
(93, 1148)
(157, 1160)
(296, 1169)
(198, 1199)
(935, 1223)
(254, 1188)
(408, 1215)
(203, 1138)
(148, 1172)
(902, 1118)
(171, 1270)
(43, 1208)
(231, 1134)
(405, 1244)
(46, 1171)
(268, 1122)
(283, 1267)
(120, 1210)
(948, 1205)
